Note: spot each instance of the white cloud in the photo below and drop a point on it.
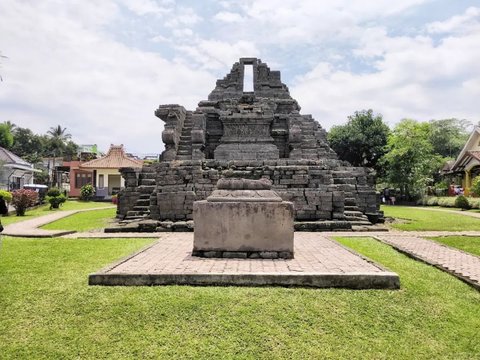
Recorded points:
(469, 21)
(228, 17)
(95, 67)
(214, 54)
(184, 16)
(413, 77)
(144, 7)
(101, 90)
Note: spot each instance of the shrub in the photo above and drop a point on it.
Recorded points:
(462, 202)
(7, 196)
(22, 199)
(86, 192)
(55, 198)
(476, 185)
(446, 201)
(474, 203)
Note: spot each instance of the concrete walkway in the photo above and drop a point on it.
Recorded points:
(31, 227)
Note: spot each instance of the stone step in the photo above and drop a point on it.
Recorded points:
(144, 209)
(350, 201)
(136, 214)
(353, 213)
(144, 197)
(184, 157)
(147, 182)
(351, 208)
(360, 223)
(146, 189)
(143, 202)
(149, 175)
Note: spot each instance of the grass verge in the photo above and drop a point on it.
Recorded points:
(47, 310)
(45, 210)
(83, 221)
(425, 220)
(469, 244)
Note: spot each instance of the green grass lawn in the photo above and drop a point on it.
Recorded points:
(47, 310)
(469, 244)
(425, 220)
(45, 210)
(84, 221)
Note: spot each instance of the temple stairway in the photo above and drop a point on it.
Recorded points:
(146, 186)
(313, 136)
(352, 212)
(184, 151)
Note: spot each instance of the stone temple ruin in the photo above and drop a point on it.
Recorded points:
(250, 135)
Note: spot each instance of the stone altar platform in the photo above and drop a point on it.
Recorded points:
(319, 262)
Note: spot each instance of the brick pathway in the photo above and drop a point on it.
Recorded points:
(458, 263)
(318, 262)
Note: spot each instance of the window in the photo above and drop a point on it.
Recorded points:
(82, 179)
(101, 181)
(248, 78)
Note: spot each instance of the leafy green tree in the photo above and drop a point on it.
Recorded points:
(6, 137)
(362, 141)
(410, 163)
(28, 145)
(448, 136)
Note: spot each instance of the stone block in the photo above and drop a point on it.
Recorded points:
(243, 226)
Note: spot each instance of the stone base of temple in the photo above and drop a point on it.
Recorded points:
(188, 226)
(244, 254)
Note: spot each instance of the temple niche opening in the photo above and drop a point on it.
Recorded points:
(252, 135)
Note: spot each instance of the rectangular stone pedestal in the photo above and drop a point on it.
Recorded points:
(243, 229)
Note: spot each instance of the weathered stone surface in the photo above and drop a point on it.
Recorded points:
(243, 226)
(259, 135)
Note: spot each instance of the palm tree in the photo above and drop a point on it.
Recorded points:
(59, 133)
(59, 137)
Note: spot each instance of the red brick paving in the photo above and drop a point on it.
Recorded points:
(318, 262)
(313, 253)
(459, 263)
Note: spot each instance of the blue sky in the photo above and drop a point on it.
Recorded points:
(101, 68)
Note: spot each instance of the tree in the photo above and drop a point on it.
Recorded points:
(410, 163)
(6, 137)
(59, 133)
(362, 141)
(28, 145)
(448, 136)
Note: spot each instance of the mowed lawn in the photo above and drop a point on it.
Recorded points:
(84, 221)
(469, 244)
(45, 210)
(429, 220)
(48, 311)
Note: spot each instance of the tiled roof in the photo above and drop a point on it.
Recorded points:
(115, 159)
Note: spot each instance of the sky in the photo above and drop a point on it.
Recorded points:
(101, 68)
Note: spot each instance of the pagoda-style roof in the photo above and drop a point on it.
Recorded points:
(115, 159)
